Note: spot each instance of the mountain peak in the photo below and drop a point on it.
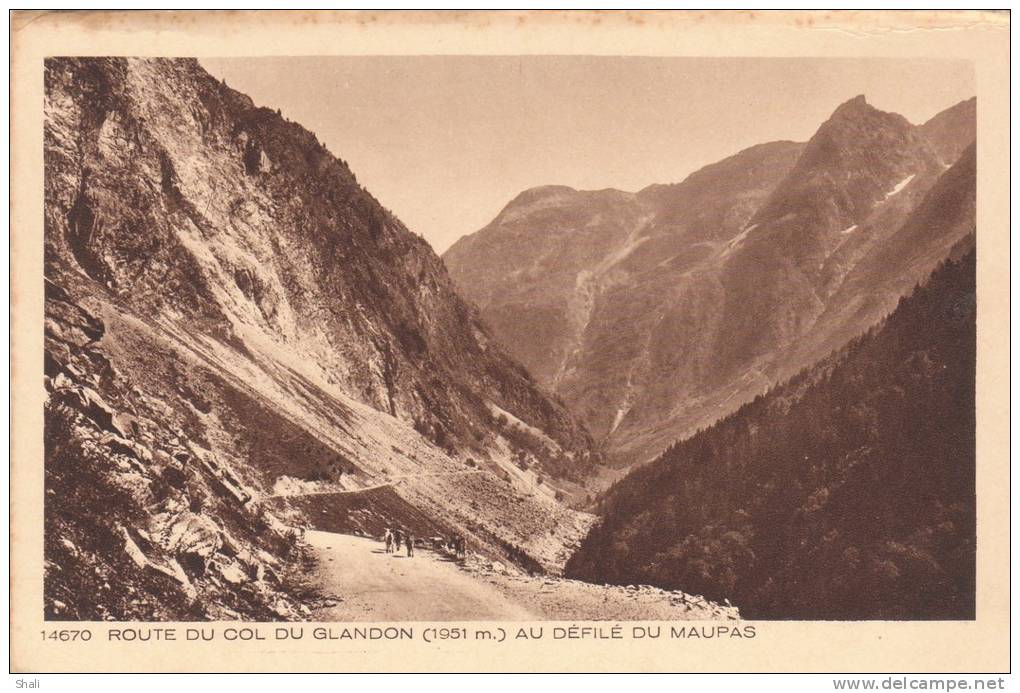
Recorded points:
(858, 101)
(542, 191)
(839, 179)
(858, 113)
(534, 199)
(854, 108)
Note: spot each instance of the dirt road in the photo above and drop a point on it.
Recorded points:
(368, 584)
(376, 586)
(392, 481)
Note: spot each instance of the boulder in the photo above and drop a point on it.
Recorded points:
(142, 453)
(124, 424)
(267, 557)
(175, 475)
(66, 332)
(132, 550)
(118, 445)
(281, 609)
(174, 571)
(230, 547)
(224, 477)
(171, 570)
(232, 573)
(97, 409)
(252, 564)
(193, 535)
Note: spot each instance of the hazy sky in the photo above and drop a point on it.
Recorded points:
(446, 142)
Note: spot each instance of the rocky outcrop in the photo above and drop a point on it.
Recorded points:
(132, 524)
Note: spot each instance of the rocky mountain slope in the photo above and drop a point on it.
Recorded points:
(653, 314)
(950, 131)
(847, 492)
(232, 324)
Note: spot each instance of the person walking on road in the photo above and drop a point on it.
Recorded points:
(388, 538)
(410, 545)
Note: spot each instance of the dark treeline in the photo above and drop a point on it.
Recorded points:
(845, 493)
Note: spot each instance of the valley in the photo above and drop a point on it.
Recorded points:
(855, 477)
(269, 346)
(254, 369)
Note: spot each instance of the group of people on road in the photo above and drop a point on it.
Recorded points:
(457, 545)
(394, 537)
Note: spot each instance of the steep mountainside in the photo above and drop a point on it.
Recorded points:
(933, 230)
(528, 268)
(951, 130)
(255, 322)
(724, 284)
(845, 493)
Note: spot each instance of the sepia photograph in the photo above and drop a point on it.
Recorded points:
(747, 388)
(386, 340)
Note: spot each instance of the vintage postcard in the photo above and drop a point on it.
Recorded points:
(510, 341)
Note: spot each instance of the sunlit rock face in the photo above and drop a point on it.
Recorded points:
(237, 331)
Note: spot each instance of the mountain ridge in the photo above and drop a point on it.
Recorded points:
(687, 301)
(846, 492)
(943, 129)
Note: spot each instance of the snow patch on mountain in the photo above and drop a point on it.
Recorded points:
(738, 239)
(899, 186)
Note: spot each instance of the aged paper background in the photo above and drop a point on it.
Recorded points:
(983, 38)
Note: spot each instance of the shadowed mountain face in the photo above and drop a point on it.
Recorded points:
(845, 493)
(654, 314)
(237, 330)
